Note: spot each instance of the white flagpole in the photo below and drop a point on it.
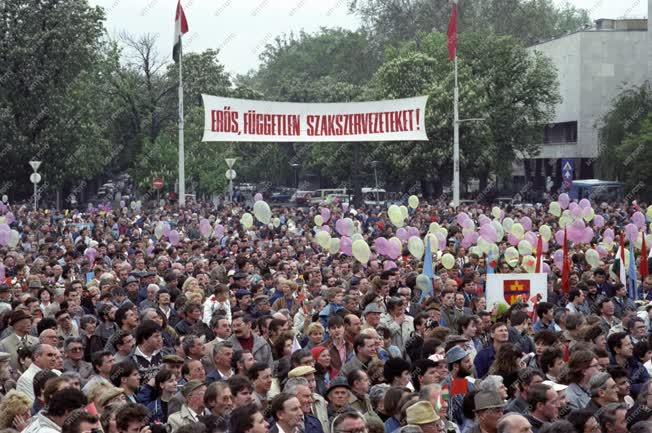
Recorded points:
(456, 142)
(182, 170)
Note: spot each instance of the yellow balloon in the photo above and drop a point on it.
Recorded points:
(323, 238)
(433, 228)
(444, 232)
(404, 211)
(565, 220)
(395, 215)
(507, 224)
(361, 251)
(423, 283)
(334, 246)
(518, 231)
(397, 242)
(529, 264)
(649, 212)
(276, 222)
(546, 232)
(592, 258)
(483, 245)
(434, 242)
(448, 261)
(413, 201)
(247, 220)
(589, 215)
(493, 250)
(495, 212)
(158, 230)
(262, 212)
(415, 246)
(524, 248)
(555, 209)
(511, 256)
(499, 229)
(356, 237)
(319, 221)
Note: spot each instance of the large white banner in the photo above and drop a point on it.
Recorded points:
(228, 119)
(508, 288)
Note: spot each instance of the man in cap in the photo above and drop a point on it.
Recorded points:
(131, 288)
(488, 410)
(337, 395)
(21, 322)
(371, 315)
(423, 415)
(192, 409)
(460, 367)
(319, 405)
(5, 297)
(243, 299)
(173, 363)
(603, 390)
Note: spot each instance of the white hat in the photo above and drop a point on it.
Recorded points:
(555, 386)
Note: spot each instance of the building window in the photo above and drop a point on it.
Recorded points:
(565, 132)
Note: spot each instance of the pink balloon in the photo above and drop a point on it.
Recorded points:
(219, 231)
(631, 230)
(598, 221)
(2, 272)
(325, 214)
(602, 251)
(585, 203)
(166, 229)
(10, 218)
(4, 238)
(341, 227)
(587, 236)
(413, 231)
(380, 245)
(389, 265)
(544, 246)
(483, 219)
(513, 240)
(576, 211)
(526, 222)
(559, 237)
(345, 207)
(326, 228)
(639, 219)
(345, 246)
(531, 238)
(258, 197)
(467, 223)
(5, 228)
(174, 237)
(564, 200)
(402, 234)
(608, 234)
(461, 217)
(488, 232)
(545, 268)
(558, 258)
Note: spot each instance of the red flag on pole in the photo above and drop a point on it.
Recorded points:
(452, 33)
(565, 272)
(539, 265)
(180, 28)
(643, 269)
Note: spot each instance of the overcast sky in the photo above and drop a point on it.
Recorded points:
(241, 28)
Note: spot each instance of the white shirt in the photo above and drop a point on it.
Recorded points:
(25, 383)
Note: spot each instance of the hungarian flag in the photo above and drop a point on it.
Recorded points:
(180, 29)
(619, 262)
(565, 271)
(452, 33)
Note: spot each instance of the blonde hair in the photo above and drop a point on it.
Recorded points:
(97, 390)
(314, 326)
(188, 282)
(13, 404)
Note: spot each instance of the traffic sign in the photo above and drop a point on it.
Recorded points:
(230, 174)
(157, 183)
(567, 169)
(35, 178)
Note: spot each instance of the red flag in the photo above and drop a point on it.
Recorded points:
(643, 265)
(180, 28)
(565, 272)
(539, 254)
(452, 33)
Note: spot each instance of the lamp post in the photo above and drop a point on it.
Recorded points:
(456, 148)
(230, 175)
(295, 166)
(374, 164)
(35, 178)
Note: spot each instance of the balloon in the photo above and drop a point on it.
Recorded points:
(576, 210)
(526, 222)
(555, 209)
(518, 230)
(511, 256)
(559, 237)
(263, 213)
(587, 236)
(319, 221)
(592, 258)
(389, 265)
(4, 237)
(488, 232)
(258, 197)
(276, 222)
(424, 283)
(381, 245)
(415, 247)
(565, 220)
(395, 215)
(205, 228)
(649, 212)
(545, 268)
(639, 219)
(356, 236)
(361, 251)
(585, 203)
(513, 240)
(468, 224)
(602, 251)
(158, 230)
(500, 231)
(433, 228)
(448, 261)
(404, 211)
(413, 201)
(174, 237)
(344, 226)
(496, 212)
(508, 223)
(323, 239)
(166, 229)
(558, 258)
(588, 214)
(483, 220)
(346, 246)
(461, 217)
(631, 230)
(247, 220)
(325, 214)
(493, 250)
(91, 253)
(413, 231)
(546, 232)
(218, 232)
(10, 218)
(524, 248)
(564, 200)
(433, 240)
(529, 263)
(395, 248)
(334, 246)
(402, 234)
(598, 221)
(531, 238)
(608, 234)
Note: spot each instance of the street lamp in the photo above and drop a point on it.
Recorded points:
(456, 150)
(35, 178)
(374, 164)
(230, 175)
(295, 166)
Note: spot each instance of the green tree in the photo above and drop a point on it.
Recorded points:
(624, 118)
(633, 153)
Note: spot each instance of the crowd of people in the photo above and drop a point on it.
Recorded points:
(108, 326)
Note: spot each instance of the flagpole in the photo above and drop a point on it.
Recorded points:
(182, 170)
(456, 142)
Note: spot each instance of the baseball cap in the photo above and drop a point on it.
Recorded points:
(554, 385)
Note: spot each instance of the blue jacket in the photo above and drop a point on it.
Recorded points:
(326, 312)
(638, 375)
(312, 424)
(483, 361)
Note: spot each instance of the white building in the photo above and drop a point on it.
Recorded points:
(594, 65)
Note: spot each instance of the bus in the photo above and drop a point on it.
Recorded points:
(597, 190)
